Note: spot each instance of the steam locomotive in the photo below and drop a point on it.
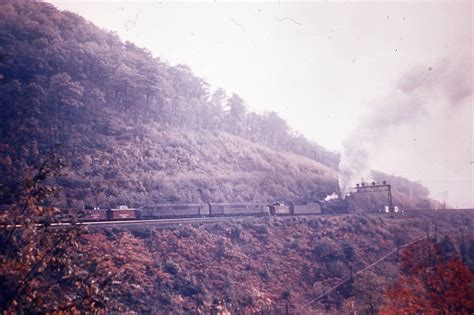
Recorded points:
(163, 211)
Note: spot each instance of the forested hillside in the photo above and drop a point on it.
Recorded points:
(257, 265)
(134, 129)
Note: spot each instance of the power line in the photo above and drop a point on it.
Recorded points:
(367, 268)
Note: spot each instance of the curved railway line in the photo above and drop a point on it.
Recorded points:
(175, 221)
(192, 220)
(164, 222)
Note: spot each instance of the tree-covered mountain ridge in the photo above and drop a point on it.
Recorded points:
(136, 130)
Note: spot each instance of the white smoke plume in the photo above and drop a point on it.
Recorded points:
(418, 94)
(332, 196)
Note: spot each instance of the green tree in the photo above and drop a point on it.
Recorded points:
(65, 95)
(236, 114)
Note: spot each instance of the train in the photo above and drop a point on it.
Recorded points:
(164, 211)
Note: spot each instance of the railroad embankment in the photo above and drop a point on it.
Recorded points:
(261, 263)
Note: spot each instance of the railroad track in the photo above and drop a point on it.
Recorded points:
(164, 222)
(439, 210)
(174, 221)
(191, 220)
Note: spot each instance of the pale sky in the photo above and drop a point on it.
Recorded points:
(320, 65)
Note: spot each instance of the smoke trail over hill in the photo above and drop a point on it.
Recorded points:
(420, 93)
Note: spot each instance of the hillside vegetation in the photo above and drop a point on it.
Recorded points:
(256, 265)
(183, 166)
(134, 129)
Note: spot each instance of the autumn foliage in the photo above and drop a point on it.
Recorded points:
(44, 268)
(431, 282)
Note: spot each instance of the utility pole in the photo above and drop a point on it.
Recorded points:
(390, 201)
(398, 249)
(350, 274)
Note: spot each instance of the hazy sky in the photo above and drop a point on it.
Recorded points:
(321, 66)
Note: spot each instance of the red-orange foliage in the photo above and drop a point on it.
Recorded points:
(430, 285)
(44, 268)
(451, 287)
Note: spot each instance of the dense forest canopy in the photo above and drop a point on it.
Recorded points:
(67, 68)
(132, 126)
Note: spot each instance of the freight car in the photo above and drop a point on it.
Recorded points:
(335, 205)
(280, 209)
(122, 213)
(307, 208)
(95, 214)
(296, 209)
(98, 214)
(158, 211)
(161, 211)
(233, 209)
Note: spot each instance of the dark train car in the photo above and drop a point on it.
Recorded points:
(223, 209)
(280, 209)
(173, 210)
(335, 206)
(307, 208)
(94, 215)
(123, 213)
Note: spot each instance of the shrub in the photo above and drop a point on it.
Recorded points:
(313, 223)
(111, 234)
(325, 251)
(294, 244)
(348, 251)
(172, 268)
(337, 269)
(234, 233)
(220, 250)
(286, 294)
(142, 233)
(187, 287)
(264, 275)
(184, 233)
(261, 229)
(244, 300)
(362, 220)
